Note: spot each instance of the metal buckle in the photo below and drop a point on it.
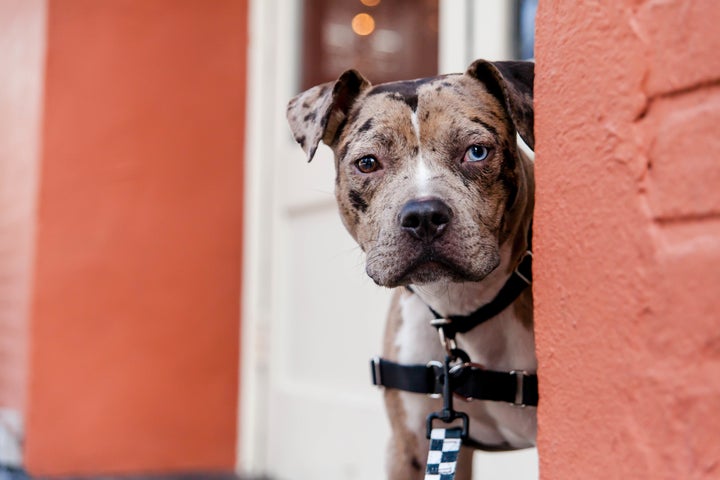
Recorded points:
(527, 253)
(520, 383)
(432, 364)
(377, 373)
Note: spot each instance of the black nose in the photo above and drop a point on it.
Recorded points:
(425, 219)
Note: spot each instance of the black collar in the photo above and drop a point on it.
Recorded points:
(520, 279)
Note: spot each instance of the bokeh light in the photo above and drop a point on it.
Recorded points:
(363, 24)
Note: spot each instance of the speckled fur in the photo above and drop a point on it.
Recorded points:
(419, 131)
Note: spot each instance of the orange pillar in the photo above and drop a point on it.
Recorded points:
(627, 239)
(135, 324)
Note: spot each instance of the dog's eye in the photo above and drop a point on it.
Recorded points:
(367, 164)
(476, 153)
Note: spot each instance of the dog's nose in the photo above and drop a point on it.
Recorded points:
(425, 219)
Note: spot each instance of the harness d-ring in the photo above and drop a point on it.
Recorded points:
(448, 343)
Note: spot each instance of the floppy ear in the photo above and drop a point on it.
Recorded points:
(319, 113)
(512, 83)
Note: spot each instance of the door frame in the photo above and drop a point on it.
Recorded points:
(465, 33)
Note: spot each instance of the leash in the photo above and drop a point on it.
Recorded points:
(445, 443)
(443, 455)
(458, 375)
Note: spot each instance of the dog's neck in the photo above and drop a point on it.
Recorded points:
(462, 298)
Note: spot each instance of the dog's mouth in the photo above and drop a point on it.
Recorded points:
(458, 256)
(430, 266)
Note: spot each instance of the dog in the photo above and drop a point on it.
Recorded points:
(433, 186)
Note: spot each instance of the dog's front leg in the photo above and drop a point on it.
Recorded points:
(408, 447)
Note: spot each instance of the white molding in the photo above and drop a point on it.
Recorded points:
(251, 409)
(472, 29)
(454, 37)
(23, 50)
(273, 27)
(11, 437)
(491, 22)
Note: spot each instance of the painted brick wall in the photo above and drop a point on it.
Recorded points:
(628, 239)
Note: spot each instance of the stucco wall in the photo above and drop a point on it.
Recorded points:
(627, 239)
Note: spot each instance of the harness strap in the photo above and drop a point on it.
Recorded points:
(467, 380)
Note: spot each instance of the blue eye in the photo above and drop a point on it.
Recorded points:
(476, 153)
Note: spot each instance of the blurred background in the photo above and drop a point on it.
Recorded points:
(177, 293)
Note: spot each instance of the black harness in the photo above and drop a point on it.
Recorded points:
(466, 379)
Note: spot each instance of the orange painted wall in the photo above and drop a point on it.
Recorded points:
(135, 325)
(627, 239)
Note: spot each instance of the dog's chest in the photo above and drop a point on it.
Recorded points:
(502, 343)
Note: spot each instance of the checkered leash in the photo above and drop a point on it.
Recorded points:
(445, 442)
(443, 455)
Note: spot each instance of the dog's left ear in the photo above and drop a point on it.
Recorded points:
(512, 84)
(319, 113)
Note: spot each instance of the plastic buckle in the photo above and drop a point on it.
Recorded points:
(449, 418)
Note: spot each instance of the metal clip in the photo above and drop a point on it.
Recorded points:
(448, 414)
(527, 253)
(448, 344)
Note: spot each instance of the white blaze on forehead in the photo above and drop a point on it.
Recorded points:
(422, 171)
(415, 124)
(422, 177)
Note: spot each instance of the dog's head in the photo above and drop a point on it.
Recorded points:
(430, 181)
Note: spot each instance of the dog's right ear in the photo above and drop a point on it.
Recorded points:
(512, 84)
(320, 113)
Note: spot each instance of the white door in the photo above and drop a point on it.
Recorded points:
(311, 317)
